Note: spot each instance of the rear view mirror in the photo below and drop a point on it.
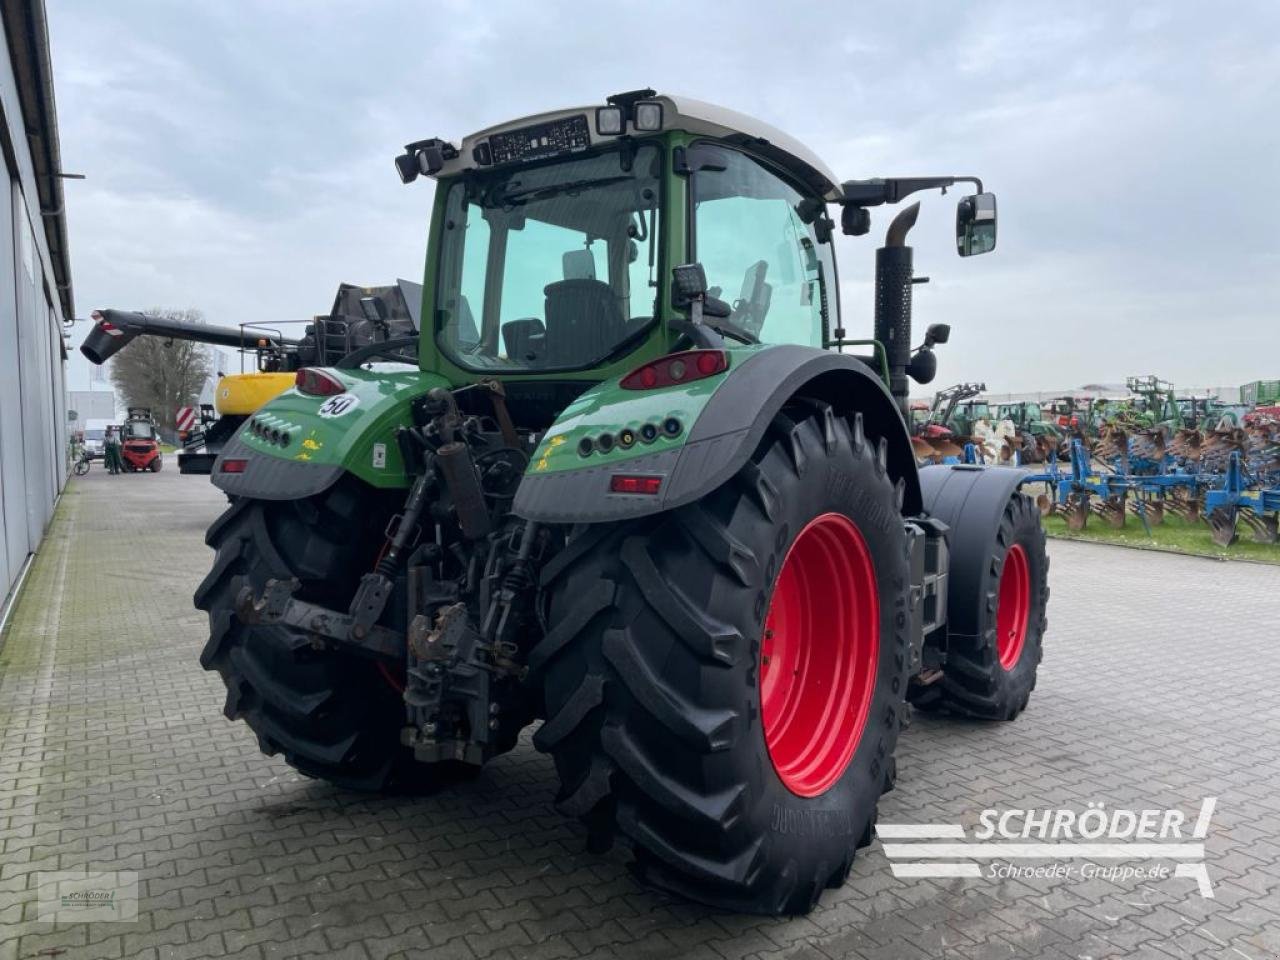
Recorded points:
(976, 224)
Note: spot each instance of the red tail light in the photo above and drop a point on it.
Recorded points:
(675, 368)
(626, 483)
(233, 466)
(315, 382)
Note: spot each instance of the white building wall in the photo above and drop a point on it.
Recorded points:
(33, 434)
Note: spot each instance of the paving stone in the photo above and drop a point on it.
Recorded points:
(114, 755)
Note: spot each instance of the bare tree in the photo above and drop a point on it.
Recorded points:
(162, 374)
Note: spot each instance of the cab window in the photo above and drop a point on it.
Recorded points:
(759, 254)
(550, 267)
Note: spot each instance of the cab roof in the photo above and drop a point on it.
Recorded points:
(679, 113)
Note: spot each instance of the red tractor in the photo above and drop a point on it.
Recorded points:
(140, 446)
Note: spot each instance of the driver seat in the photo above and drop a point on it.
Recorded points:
(583, 322)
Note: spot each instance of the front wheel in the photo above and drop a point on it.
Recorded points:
(724, 684)
(81, 468)
(155, 465)
(990, 674)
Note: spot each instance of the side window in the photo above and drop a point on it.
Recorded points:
(462, 269)
(765, 261)
(470, 307)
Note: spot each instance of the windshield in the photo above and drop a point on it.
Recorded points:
(138, 430)
(94, 433)
(552, 267)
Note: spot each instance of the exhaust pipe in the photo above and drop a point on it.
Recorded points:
(893, 303)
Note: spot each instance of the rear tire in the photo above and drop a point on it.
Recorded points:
(335, 716)
(652, 675)
(155, 465)
(990, 676)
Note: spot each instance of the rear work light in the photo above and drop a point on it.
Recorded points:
(627, 483)
(676, 368)
(315, 382)
(233, 466)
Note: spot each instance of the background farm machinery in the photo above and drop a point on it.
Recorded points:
(1147, 455)
(1235, 477)
(960, 427)
(364, 323)
(941, 431)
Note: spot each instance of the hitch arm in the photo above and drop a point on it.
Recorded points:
(278, 605)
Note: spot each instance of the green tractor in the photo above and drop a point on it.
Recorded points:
(1038, 438)
(966, 415)
(686, 534)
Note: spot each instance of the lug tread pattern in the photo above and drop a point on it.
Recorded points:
(707, 638)
(598, 598)
(329, 713)
(710, 811)
(704, 729)
(688, 830)
(588, 696)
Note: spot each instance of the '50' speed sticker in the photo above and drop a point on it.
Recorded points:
(339, 405)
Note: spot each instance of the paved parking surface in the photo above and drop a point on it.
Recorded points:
(1159, 688)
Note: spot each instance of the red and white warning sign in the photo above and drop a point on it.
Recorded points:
(186, 418)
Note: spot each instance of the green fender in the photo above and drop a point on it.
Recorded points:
(298, 445)
(722, 420)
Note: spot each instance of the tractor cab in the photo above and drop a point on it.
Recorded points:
(1028, 417)
(967, 414)
(555, 240)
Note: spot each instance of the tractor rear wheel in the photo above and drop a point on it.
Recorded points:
(991, 674)
(334, 716)
(155, 465)
(724, 683)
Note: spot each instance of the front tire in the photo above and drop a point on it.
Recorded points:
(668, 710)
(991, 674)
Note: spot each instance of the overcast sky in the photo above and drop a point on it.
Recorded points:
(239, 154)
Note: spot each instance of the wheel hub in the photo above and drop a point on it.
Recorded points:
(819, 654)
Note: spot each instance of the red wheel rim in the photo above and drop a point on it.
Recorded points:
(1014, 606)
(819, 654)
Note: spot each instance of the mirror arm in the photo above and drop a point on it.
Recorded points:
(872, 193)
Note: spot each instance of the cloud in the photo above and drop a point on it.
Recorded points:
(239, 154)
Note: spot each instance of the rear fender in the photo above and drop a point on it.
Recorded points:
(298, 445)
(722, 431)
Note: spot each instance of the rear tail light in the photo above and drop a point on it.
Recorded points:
(627, 483)
(676, 368)
(233, 466)
(316, 382)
